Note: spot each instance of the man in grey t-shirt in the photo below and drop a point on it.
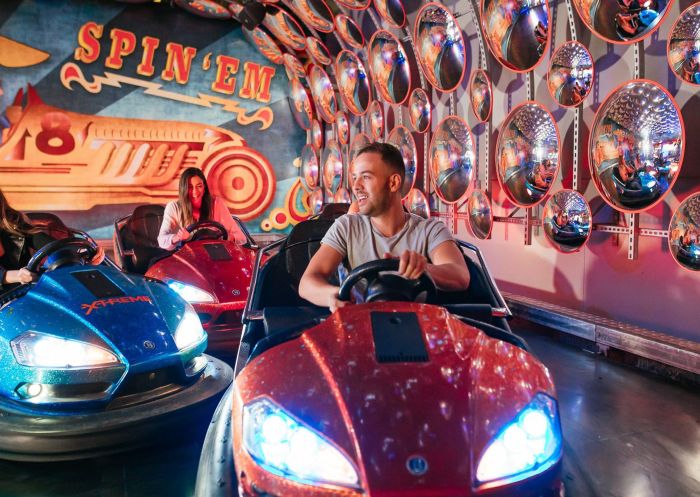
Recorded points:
(382, 229)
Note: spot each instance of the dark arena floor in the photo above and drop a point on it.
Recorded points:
(627, 433)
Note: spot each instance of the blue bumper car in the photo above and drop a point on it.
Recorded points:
(95, 361)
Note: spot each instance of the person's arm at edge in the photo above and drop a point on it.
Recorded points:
(168, 229)
(223, 215)
(314, 285)
(448, 269)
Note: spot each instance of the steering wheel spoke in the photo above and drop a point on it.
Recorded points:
(386, 287)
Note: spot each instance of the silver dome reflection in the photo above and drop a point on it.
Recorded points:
(353, 82)
(451, 159)
(402, 139)
(570, 76)
(684, 233)
(566, 221)
(480, 214)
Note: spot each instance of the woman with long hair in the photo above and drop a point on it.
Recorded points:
(18, 239)
(194, 204)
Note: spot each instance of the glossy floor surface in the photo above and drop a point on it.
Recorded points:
(627, 434)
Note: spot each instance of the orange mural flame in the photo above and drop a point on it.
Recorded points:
(55, 159)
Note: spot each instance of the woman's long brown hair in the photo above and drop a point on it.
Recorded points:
(14, 222)
(184, 201)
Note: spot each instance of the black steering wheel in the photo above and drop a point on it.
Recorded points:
(387, 287)
(207, 230)
(65, 251)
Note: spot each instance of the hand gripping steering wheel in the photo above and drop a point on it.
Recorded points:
(61, 252)
(207, 230)
(387, 287)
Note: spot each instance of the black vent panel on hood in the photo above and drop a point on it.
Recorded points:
(398, 337)
(98, 284)
(217, 252)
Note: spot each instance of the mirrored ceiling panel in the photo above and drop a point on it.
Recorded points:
(480, 214)
(314, 13)
(283, 26)
(323, 94)
(389, 67)
(684, 233)
(684, 46)
(419, 110)
(439, 47)
(349, 31)
(318, 52)
(376, 120)
(265, 44)
(309, 166)
(451, 159)
(527, 154)
(480, 95)
(417, 204)
(401, 138)
(300, 103)
(566, 220)
(636, 145)
(516, 31)
(391, 11)
(332, 164)
(353, 82)
(570, 75)
(622, 21)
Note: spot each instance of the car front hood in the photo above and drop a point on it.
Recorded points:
(443, 411)
(137, 320)
(224, 271)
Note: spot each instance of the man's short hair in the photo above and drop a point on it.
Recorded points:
(390, 156)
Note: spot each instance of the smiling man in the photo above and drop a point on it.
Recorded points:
(383, 229)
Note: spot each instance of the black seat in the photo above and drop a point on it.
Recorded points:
(138, 238)
(50, 224)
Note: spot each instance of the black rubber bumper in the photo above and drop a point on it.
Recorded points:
(27, 437)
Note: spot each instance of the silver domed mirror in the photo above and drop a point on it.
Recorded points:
(332, 164)
(570, 75)
(343, 127)
(354, 4)
(293, 67)
(265, 44)
(566, 220)
(283, 26)
(479, 214)
(316, 201)
(401, 138)
(527, 154)
(316, 134)
(439, 47)
(323, 93)
(451, 159)
(392, 12)
(309, 166)
(318, 52)
(622, 21)
(636, 145)
(349, 32)
(419, 110)
(314, 13)
(480, 95)
(389, 67)
(300, 103)
(517, 33)
(353, 82)
(684, 46)
(417, 204)
(376, 120)
(684, 233)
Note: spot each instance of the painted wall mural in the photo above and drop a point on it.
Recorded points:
(104, 105)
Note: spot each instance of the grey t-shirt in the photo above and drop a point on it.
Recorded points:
(356, 239)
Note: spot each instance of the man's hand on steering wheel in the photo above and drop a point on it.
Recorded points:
(411, 264)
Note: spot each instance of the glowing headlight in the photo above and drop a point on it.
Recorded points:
(47, 351)
(284, 446)
(189, 332)
(528, 445)
(190, 293)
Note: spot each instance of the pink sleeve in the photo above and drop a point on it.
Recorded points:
(223, 216)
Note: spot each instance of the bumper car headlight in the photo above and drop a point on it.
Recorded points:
(189, 332)
(48, 351)
(526, 446)
(284, 446)
(191, 293)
